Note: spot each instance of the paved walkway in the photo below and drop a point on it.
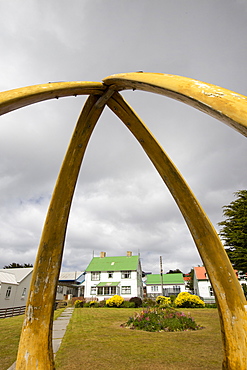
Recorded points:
(59, 329)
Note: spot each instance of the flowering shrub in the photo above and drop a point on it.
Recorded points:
(93, 304)
(185, 299)
(156, 319)
(115, 301)
(163, 301)
(78, 303)
(148, 302)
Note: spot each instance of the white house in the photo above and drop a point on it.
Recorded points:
(203, 287)
(14, 286)
(173, 284)
(107, 276)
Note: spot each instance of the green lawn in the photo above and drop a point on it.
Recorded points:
(95, 340)
(10, 330)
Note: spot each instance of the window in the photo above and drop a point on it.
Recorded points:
(59, 289)
(176, 289)
(126, 290)
(95, 275)
(110, 274)
(23, 293)
(8, 292)
(93, 290)
(125, 274)
(107, 290)
(211, 292)
(69, 290)
(154, 288)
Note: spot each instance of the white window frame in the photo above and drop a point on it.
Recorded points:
(110, 274)
(59, 289)
(8, 292)
(154, 288)
(176, 289)
(126, 289)
(95, 275)
(125, 274)
(93, 290)
(24, 293)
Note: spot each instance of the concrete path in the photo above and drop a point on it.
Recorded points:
(59, 329)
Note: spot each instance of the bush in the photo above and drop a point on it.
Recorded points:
(93, 304)
(163, 301)
(137, 301)
(102, 303)
(156, 319)
(188, 300)
(115, 301)
(172, 298)
(148, 302)
(210, 305)
(78, 303)
(128, 304)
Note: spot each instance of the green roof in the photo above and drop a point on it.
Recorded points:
(167, 279)
(109, 284)
(126, 263)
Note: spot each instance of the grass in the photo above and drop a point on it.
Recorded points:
(95, 340)
(10, 330)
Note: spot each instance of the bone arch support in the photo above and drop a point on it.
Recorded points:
(227, 106)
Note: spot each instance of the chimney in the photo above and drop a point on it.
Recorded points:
(102, 254)
(129, 254)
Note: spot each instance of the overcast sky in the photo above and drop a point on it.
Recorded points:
(120, 202)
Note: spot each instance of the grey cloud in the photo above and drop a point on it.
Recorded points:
(120, 201)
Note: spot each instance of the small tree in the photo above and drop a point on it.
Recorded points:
(234, 230)
(190, 282)
(177, 271)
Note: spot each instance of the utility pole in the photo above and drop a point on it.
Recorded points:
(161, 275)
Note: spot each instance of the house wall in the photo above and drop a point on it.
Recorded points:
(154, 290)
(18, 295)
(134, 282)
(22, 291)
(7, 302)
(203, 288)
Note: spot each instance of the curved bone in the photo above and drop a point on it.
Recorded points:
(230, 298)
(225, 105)
(18, 98)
